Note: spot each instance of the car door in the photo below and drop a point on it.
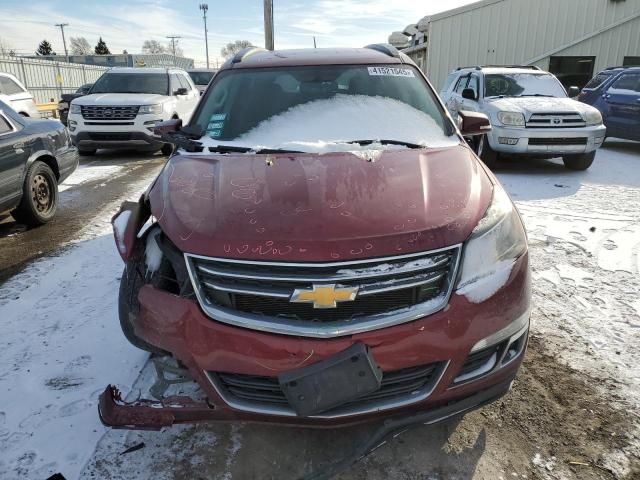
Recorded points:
(192, 97)
(13, 160)
(622, 99)
(455, 100)
(467, 103)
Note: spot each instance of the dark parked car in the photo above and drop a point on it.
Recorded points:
(325, 249)
(35, 156)
(616, 93)
(65, 101)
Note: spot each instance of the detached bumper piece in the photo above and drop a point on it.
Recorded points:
(152, 414)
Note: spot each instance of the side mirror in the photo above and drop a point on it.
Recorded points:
(473, 123)
(180, 91)
(469, 94)
(573, 92)
(168, 126)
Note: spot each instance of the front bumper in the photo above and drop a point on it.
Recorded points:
(179, 326)
(126, 134)
(546, 141)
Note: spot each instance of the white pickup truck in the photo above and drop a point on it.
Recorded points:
(124, 105)
(530, 113)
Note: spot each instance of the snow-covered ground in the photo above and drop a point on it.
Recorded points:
(61, 342)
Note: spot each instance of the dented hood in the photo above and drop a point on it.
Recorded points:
(310, 207)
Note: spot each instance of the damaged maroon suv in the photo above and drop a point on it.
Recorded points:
(323, 248)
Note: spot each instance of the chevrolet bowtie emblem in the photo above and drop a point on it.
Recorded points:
(324, 296)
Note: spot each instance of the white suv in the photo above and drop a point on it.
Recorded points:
(124, 105)
(13, 93)
(530, 113)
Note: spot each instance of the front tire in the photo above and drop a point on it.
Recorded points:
(487, 154)
(579, 162)
(39, 196)
(87, 153)
(167, 149)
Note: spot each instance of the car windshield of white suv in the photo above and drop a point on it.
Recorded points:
(522, 85)
(155, 83)
(323, 108)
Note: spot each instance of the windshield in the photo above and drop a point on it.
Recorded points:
(201, 78)
(522, 85)
(307, 108)
(157, 83)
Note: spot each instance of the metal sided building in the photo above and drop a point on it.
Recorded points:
(573, 39)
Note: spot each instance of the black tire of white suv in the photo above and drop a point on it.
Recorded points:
(579, 162)
(487, 154)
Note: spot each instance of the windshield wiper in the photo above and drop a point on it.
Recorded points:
(238, 149)
(535, 95)
(387, 142)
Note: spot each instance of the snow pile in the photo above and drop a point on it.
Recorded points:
(483, 288)
(152, 253)
(324, 126)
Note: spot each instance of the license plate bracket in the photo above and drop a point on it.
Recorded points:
(335, 381)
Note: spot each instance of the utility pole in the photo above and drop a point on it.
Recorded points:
(268, 24)
(64, 42)
(204, 7)
(173, 46)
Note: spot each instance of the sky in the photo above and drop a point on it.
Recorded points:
(126, 24)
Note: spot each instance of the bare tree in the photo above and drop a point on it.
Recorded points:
(153, 46)
(230, 49)
(6, 50)
(80, 46)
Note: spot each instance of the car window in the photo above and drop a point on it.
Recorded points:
(9, 87)
(116, 82)
(175, 82)
(309, 98)
(474, 84)
(627, 81)
(462, 83)
(522, 85)
(5, 127)
(447, 83)
(598, 80)
(184, 83)
(201, 78)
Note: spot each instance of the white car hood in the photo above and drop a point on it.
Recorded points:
(531, 105)
(120, 99)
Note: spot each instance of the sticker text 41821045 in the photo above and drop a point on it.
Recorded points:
(391, 72)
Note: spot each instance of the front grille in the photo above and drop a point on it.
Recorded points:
(256, 392)
(556, 120)
(110, 136)
(107, 112)
(558, 141)
(263, 290)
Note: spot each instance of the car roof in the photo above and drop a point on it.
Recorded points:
(143, 70)
(213, 70)
(618, 69)
(372, 55)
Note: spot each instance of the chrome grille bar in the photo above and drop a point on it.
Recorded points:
(556, 120)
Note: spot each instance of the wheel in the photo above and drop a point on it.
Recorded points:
(579, 162)
(487, 154)
(167, 149)
(87, 153)
(39, 196)
(128, 306)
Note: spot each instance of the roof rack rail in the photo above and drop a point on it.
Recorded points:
(385, 48)
(529, 67)
(476, 67)
(245, 52)
(614, 68)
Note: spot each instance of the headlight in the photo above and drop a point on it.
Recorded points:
(157, 108)
(513, 119)
(74, 108)
(495, 243)
(593, 117)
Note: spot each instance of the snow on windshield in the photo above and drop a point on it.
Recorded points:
(328, 125)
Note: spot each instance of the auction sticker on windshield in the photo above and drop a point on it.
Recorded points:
(391, 72)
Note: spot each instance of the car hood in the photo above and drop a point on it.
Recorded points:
(119, 99)
(311, 207)
(531, 105)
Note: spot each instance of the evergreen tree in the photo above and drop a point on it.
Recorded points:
(45, 48)
(101, 48)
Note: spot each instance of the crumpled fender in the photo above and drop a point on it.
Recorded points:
(127, 223)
